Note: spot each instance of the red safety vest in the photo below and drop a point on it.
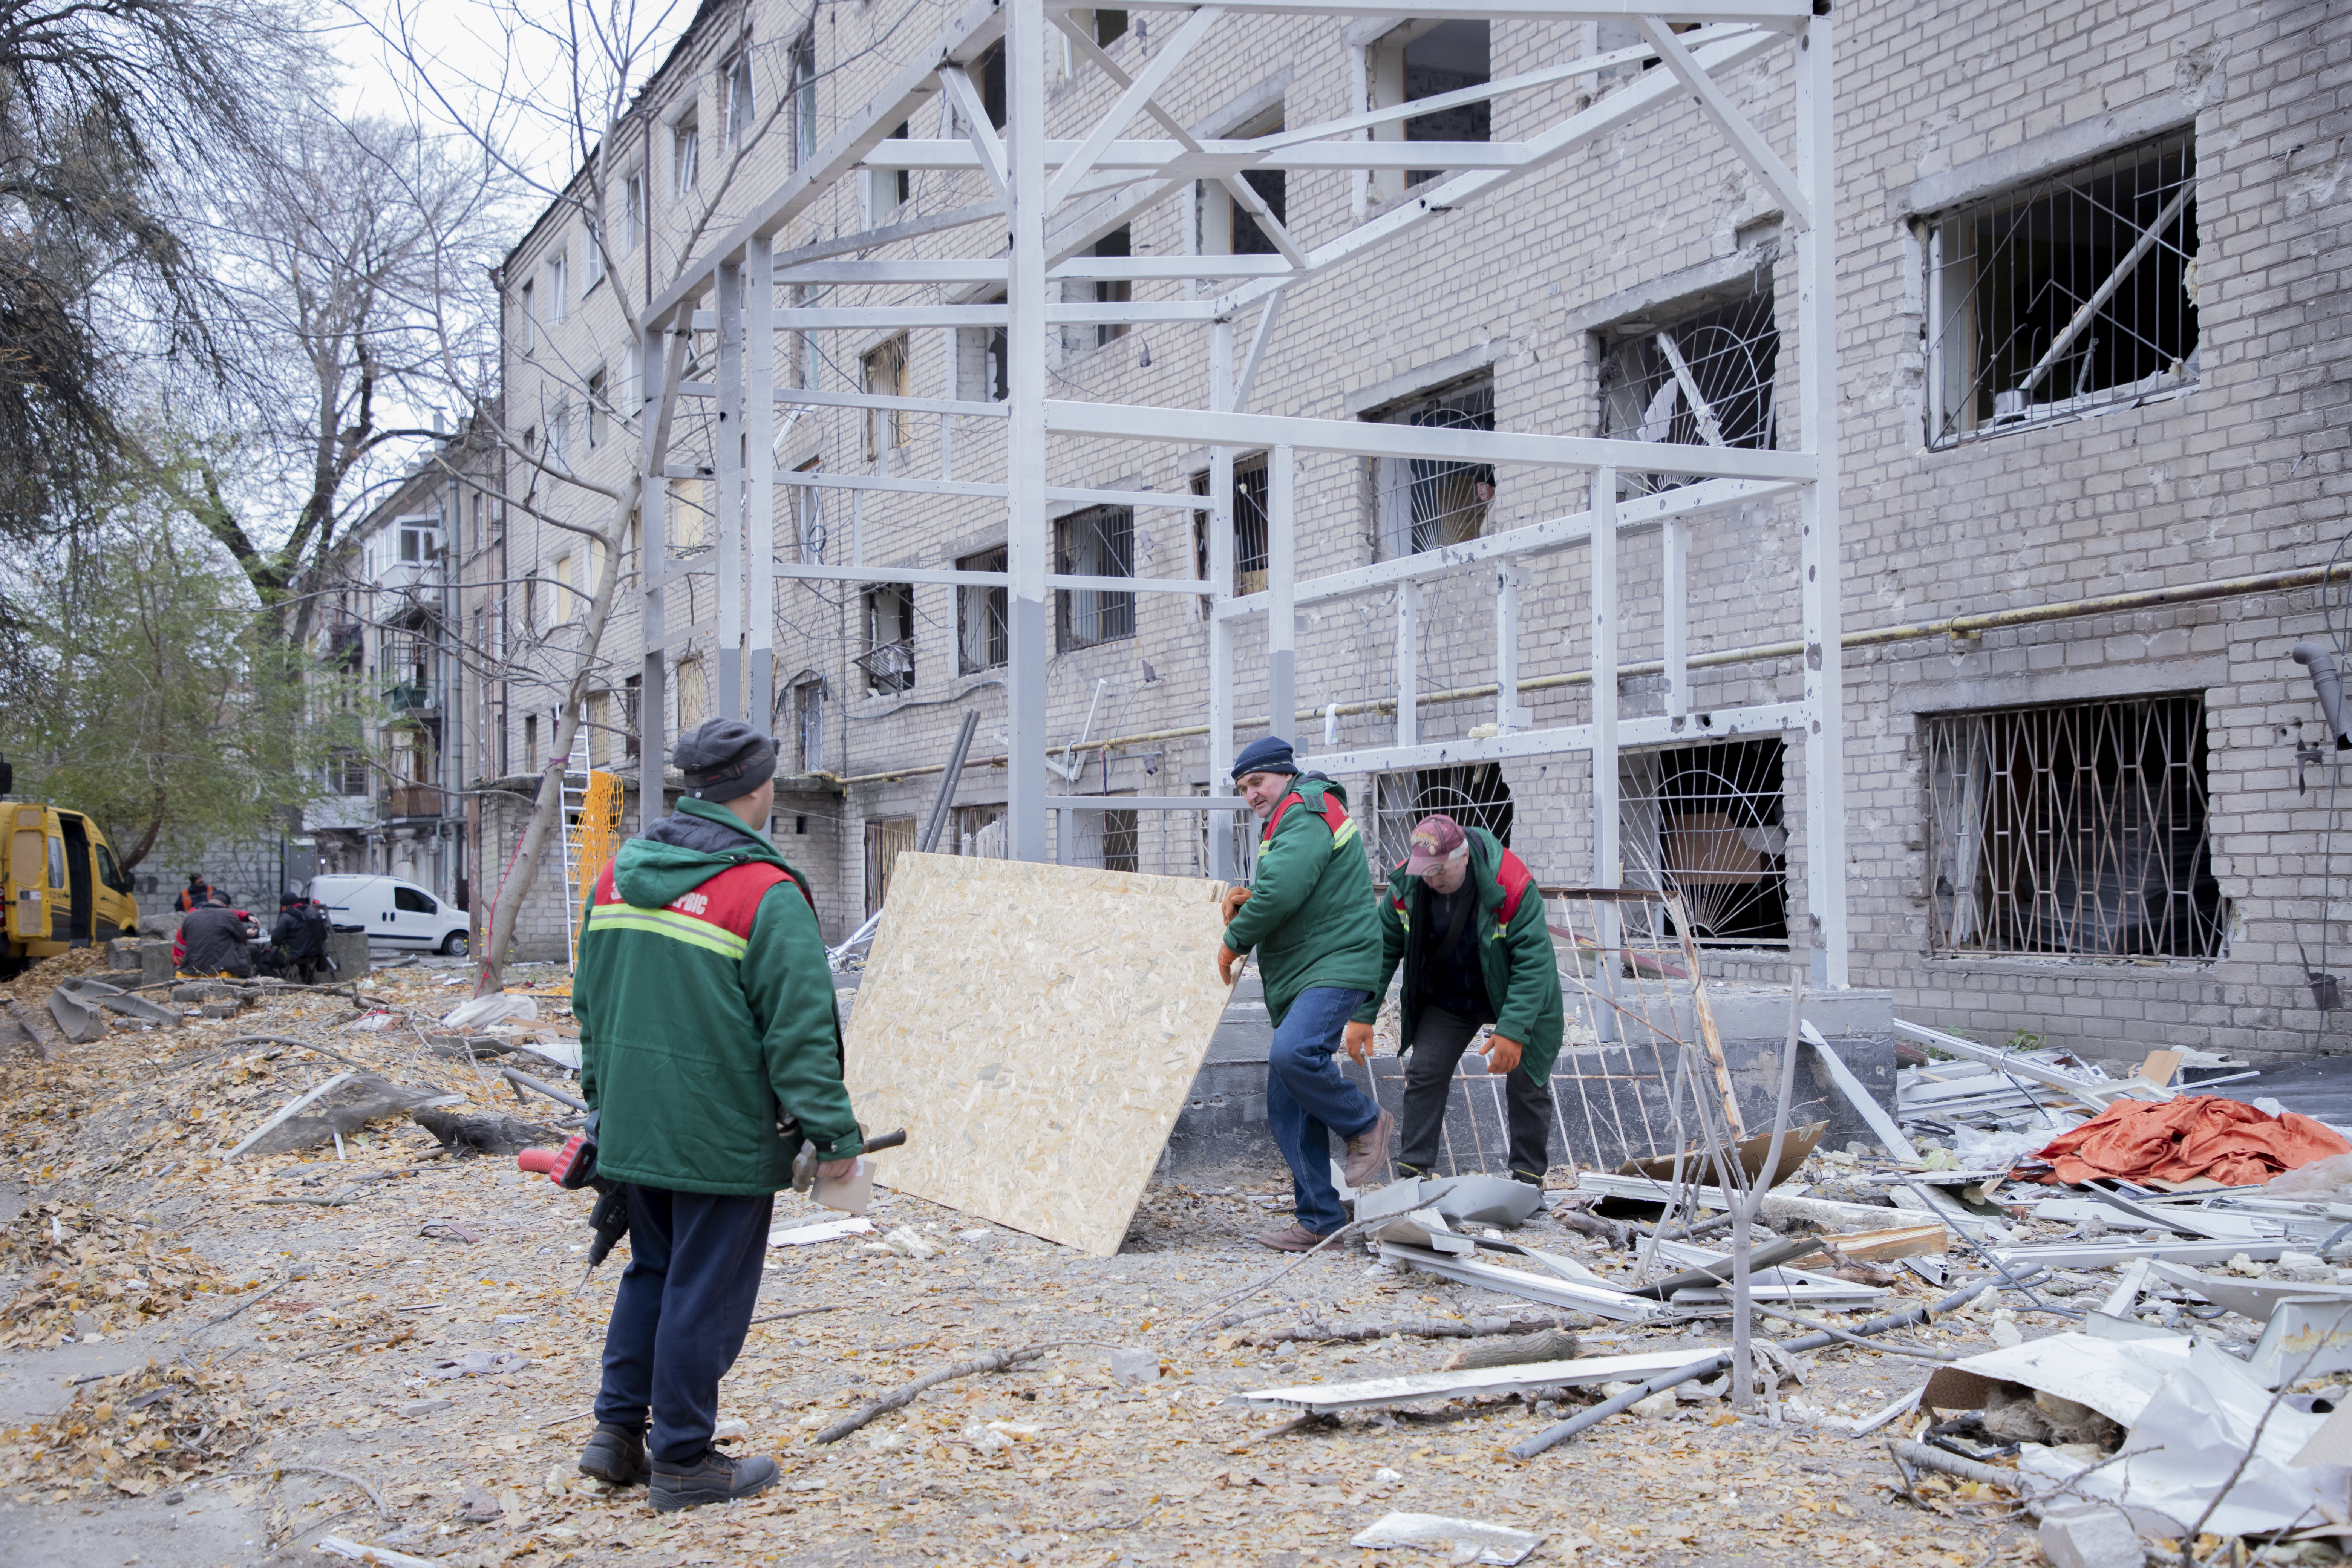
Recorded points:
(1335, 815)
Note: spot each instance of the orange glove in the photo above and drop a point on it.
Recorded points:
(1358, 1041)
(1226, 959)
(1234, 898)
(1502, 1055)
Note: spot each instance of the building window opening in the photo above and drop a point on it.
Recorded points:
(980, 360)
(2078, 829)
(1475, 796)
(1428, 59)
(1424, 504)
(1704, 823)
(886, 838)
(888, 660)
(982, 639)
(2076, 293)
(1119, 241)
(1097, 542)
(1703, 381)
(886, 374)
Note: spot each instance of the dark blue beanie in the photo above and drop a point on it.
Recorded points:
(1271, 755)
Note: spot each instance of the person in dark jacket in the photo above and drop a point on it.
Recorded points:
(711, 1053)
(216, 940)
(1308, 912)
(1463, 915)
(197, 894)
(298, 942)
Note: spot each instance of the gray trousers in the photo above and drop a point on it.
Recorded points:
(1439, 1038)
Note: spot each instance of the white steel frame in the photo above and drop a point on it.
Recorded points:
(1057, 196)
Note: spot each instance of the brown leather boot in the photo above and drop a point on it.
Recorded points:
(1292, 1237)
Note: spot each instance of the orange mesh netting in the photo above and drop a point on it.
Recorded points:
(2194, 1135)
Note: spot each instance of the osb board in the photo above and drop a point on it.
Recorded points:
(1036, 1029)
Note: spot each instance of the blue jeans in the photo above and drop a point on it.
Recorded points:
(1307, 1099)
(679, 1317)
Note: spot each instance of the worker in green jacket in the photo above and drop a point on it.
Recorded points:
(1308, 913)
(1463, 915)
(710, 1052)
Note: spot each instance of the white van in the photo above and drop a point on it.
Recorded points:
(393, 913)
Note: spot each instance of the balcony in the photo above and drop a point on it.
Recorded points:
(413, 696)
(412, 800)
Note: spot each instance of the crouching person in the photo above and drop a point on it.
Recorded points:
(706, 1014)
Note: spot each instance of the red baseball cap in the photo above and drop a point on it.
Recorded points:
(1436, 840)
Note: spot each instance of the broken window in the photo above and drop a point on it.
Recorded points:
(1428, 59)
(979, 831)
(1705, 823)
(1097, 542)
(1249, 510)
(735, 89)
(799, 70)
(1109, 27)
(630, 687)
(599, 407)
(980, 360)
(1119, 241)
(889, 656)
(685, 157)
(693, 693)
(2077, 829)
(1422, 503)
(808, 705)
(886, 374)
(887, 190)
(1475, 796)
(2077, 292)
(1228, 228)
(987, 74)
(1104, 838)
(347, 772)
(1703, 379)
(886, 837)
(982, 635)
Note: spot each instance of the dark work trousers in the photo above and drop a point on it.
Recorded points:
(680, 1315)
(1439, 1038)
(1307, 1099)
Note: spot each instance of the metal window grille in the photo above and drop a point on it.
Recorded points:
(888, 660)
(2076, 293)
(1422, 503)
(983, 637)
(1703, 381)
(885, 838)
(347, 770)
(2078, 830)
(1704, 823)
(1097, 542)
(1475, 796)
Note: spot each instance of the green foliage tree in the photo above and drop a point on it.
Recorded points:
(151, 690)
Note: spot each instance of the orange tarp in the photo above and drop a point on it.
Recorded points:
(2194, 1135)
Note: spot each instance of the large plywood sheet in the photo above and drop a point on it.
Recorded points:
(1036, 1029)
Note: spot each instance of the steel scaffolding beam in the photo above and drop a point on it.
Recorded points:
(1054, 195)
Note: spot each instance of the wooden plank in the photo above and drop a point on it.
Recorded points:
(1886, 1246)
(1364, 1393)
(1035, 1028)
(2159, 1068)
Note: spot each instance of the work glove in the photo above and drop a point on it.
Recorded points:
(1226, 959)
(1358, 1041)
(1234, 898)
(1502, 1055)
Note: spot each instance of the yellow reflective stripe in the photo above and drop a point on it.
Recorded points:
(1344, 834)
(668, 923)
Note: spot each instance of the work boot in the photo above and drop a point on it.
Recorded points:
(1367, 1150)
(615, 1455)
(1542, 1203)
(714, 1478)
(1291, 1238)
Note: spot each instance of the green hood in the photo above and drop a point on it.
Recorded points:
(652, 874)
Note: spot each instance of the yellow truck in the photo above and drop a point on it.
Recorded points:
(63, 887)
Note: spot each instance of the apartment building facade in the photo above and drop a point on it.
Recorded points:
(2090, 412)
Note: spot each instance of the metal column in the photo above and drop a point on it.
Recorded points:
(1408, 663)
(727, 457)
(1608, 853)
(1027, 550)
(1282, 616)
(760, 479)
(1817, 396)
(1220, 523)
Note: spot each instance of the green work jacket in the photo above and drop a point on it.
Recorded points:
(707, 1016)
(1310, 912)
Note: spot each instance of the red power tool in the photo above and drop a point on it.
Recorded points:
(574, 1166)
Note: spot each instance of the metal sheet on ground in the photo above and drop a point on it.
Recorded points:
(1035, 1028)
(1322, 1397)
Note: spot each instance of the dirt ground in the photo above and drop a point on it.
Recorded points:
(302, 1303)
